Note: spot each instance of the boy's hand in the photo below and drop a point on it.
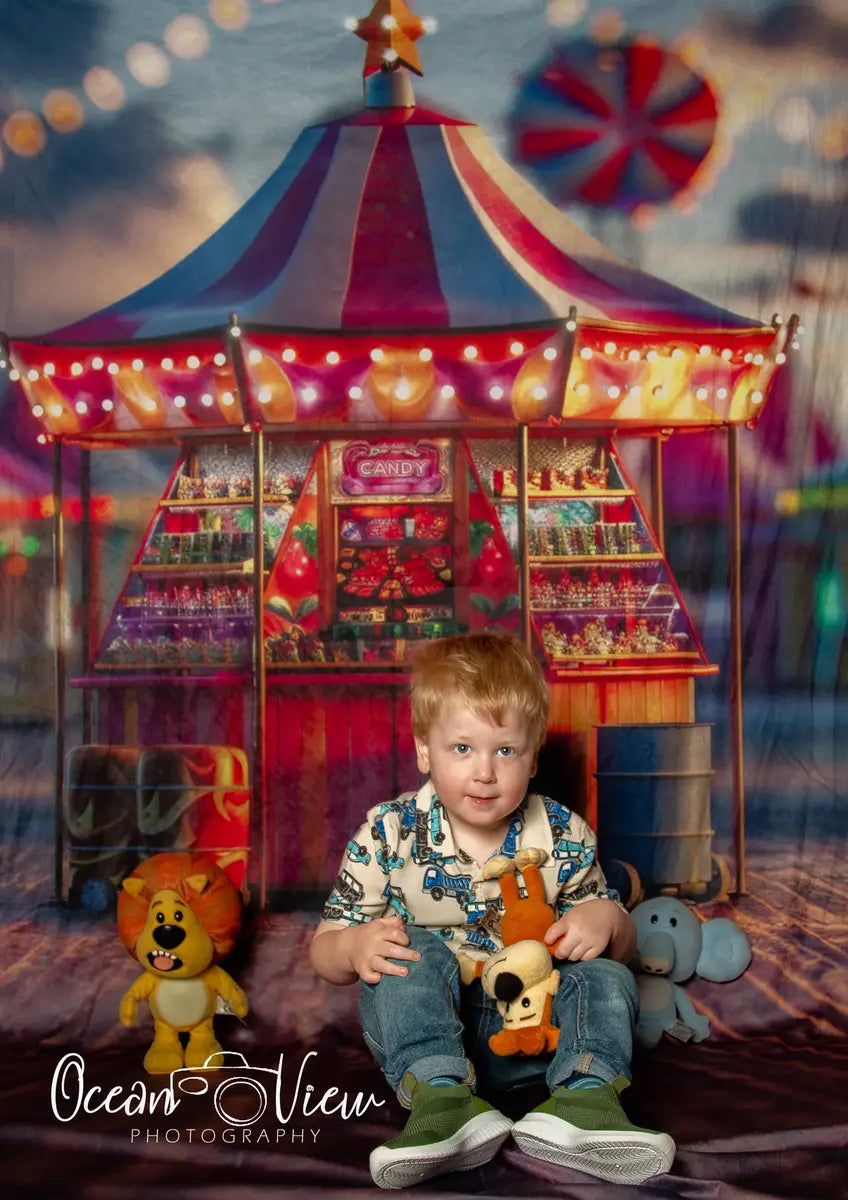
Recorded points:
(370, 946)
(589, 929)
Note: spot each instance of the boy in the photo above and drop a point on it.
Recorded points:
(411, 896)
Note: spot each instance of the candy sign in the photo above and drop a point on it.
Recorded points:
(389, 469)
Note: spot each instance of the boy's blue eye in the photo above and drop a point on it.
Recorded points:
(461, 747)
(506, 751)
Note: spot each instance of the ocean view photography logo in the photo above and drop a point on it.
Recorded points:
(237, 1093)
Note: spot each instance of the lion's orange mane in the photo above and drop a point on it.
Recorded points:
(218, 908)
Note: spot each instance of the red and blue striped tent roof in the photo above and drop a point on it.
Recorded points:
(394, 219)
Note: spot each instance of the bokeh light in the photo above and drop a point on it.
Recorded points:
(23, 132)
(229, 14)
(63, 110)
(830, 137)
(607, 26)
(148, 65)
(104, 89)
(563, 13)
(187, 37)
(30, 546)
(16, 566)
(794, 119)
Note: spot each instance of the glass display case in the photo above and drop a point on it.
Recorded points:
(188, 599)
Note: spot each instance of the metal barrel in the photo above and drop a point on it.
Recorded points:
(654, 800)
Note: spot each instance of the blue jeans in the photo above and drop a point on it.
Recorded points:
(427, 1023)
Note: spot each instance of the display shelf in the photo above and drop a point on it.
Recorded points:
(560, 560)
(201, 535)
(575, 494)
(224, 502)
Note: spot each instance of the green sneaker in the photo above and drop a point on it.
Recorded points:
(588, 1130)
(449, 1129)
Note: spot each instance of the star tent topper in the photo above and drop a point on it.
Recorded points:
(391, 30)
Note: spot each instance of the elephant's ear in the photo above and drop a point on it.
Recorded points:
(725, 951)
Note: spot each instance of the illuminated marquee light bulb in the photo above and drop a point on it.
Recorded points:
(113, 368)
(167, 364)
(179, 401)
(389, 22)
(516, 348)
(613, 392)
(255, 356)
(376, 354)
(14, 375)
(76, 368)
(390, 56)
(721, 393)
(228, 399)
(192, 362)
(780, 359)
(748, 357)
(207, 399)
(425, 354)
(582, 389)
(235, 331)
(705, 350)
(355, 392)
(496, 392)
(402, 390)
(265, 395)
(702, 393)
(149, 405)
(634, 355)
(447, 391)
(308, 394)
(550, 354)
(351, 24)
(756, 397)
(49, 368)
(429, 24)
(107, 405)
(55, 410)
(37, 410)
(288, 355)
(586, 352)
(652, 356)
(677, 353)
(97, 363)
(571, 326)
(219, 359)
(757, 360)
(610, 347)
(81, 407)
(796, 345)
(727, 354)
(138, 364)
(333, 357)
(539, 392)
(470, 352)
(32, 375)
(42, 439)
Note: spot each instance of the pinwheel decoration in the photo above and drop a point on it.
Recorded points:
(613, 126)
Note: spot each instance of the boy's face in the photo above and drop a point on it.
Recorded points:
(479, 770)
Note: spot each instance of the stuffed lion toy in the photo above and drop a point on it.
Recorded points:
(178, 913)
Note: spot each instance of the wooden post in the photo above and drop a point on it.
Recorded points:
(523, 549)
(737, 748)
(59, 693)
(657, 494)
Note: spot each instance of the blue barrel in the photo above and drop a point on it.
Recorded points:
(654, 800)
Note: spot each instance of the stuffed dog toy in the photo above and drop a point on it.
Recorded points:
(673, 944)
(521, 978)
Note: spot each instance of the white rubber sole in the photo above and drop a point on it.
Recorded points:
(620, 1157)
(478, 1141)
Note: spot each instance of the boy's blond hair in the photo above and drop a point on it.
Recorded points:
(487, 672)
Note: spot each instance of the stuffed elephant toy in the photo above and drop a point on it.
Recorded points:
(672, 946)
